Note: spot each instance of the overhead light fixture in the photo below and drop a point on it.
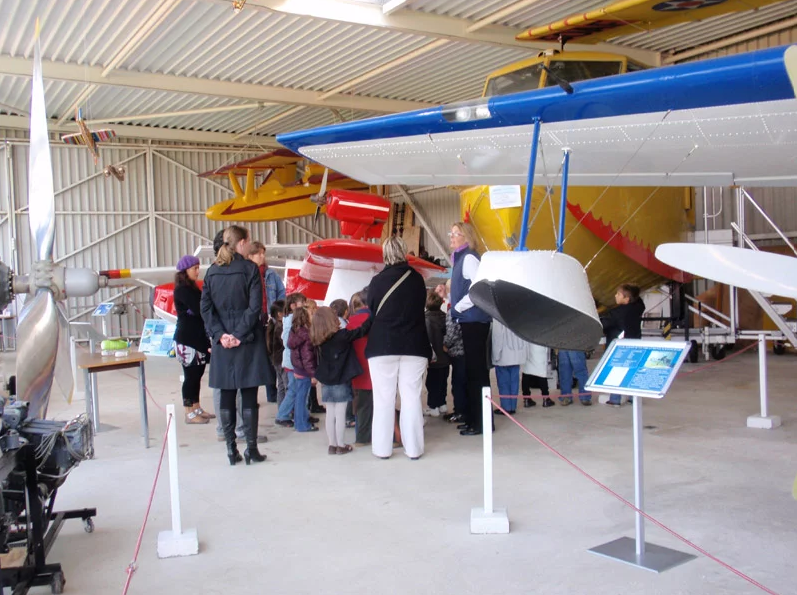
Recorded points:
(466, 111)
(238, 5)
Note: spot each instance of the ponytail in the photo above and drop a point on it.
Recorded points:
(232, 235)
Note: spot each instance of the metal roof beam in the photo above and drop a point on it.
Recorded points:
(500, 14)
(76, 73)
(146, 132)
(274, 118)
(432, 25)
(187, 112)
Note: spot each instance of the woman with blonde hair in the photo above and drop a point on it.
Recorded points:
(398, 350)
(232, 304)
(473, 322)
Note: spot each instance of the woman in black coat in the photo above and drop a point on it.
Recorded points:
(232, 304)
(398, 351)
(191, 343)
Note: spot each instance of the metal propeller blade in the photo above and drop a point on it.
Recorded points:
(37, 350)
(323, 189)
(41, 197)
(63, 362)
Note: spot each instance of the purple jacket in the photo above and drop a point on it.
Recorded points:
(302, 352)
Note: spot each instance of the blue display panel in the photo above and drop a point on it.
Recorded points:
(638, 367)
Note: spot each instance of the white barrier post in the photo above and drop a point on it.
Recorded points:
(488, 519)
(763, 421)
(175, 542)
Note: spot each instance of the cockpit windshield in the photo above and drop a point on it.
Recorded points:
(572, 71)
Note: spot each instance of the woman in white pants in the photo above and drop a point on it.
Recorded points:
(398, 351)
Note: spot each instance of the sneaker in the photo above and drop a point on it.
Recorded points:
(586, 402)
(565, 401)
(195, 418)
(285, 423)
(219, 437)
(204, 413)
(432, 412)
(529, 403)
(548, 402)
(443, 409)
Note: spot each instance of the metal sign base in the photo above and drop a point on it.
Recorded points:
(654, 558)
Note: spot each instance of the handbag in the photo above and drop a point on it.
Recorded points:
(392, 289)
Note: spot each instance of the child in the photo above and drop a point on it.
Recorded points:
(312, 399)
(275, 347)
(303, 360)
(341, 310)
(292, 302)
(509, 351)
(625, 319)
(534, 374)
(363, 404)
(337, 366)
(437, 372)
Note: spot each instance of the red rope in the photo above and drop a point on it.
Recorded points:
(149, 394)
(630, 505)
(132, 567)
(723, 360)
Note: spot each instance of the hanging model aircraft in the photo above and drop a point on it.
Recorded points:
(635, 16)
(90, 138)
(283, 193)
(722, 122)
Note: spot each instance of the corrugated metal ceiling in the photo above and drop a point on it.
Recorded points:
(204, 39)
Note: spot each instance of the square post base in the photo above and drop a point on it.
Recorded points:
(184, 544)
(655, 559)
(763, 423)
(483, 523)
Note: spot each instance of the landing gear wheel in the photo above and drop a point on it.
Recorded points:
(718, 352)
(57, 583)
(778, 348)
(88, 526)
(694, 352)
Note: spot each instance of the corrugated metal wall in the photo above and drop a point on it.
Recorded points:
(440, 208)
(152, 218)
(779, 203)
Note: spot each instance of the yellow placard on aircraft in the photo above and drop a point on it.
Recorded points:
(635, 16)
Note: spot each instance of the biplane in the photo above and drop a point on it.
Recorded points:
(283, 192)
(88, 138)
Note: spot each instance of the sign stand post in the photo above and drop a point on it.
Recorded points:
(647, 367)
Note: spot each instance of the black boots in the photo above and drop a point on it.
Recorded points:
(250, 419)
(227, 417)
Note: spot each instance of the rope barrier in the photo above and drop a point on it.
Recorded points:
(611, 492)
(131, 568)
(725, 359)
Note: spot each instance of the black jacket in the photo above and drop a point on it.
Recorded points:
(399, 327)
(436, 330)
(626, 318)
(336, 358)
(232, 301)
(190, 327)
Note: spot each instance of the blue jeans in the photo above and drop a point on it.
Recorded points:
(573, 363)
(508, 378)
(298, 389)
(286, 407)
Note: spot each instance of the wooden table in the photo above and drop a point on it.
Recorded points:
(93, 363)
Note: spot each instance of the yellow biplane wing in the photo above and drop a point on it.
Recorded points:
(635, 16)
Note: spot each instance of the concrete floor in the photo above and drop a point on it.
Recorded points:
(305, 522)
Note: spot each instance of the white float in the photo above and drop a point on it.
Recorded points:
(541, 296)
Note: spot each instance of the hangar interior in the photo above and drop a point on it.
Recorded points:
(192, 86)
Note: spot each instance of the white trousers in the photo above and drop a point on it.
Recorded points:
(405, 373)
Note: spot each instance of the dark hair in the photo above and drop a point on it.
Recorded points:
(218, 242)
(629, 291)
(339, 307)
(293, 298)
(301, 317)
(433, 301)
(325, 324)
(276, 308)
(181, 279)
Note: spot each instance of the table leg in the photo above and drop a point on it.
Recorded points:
(91, 400)
(142, 384)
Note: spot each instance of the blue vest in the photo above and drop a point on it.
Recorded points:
(459, 289)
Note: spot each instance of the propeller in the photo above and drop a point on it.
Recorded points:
(320, 199)
(43, 329)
